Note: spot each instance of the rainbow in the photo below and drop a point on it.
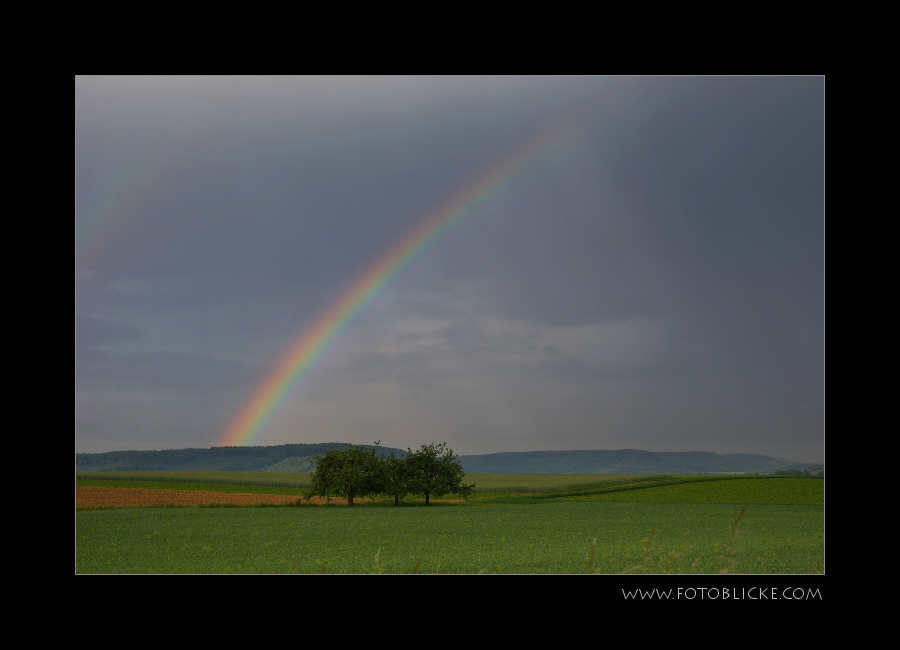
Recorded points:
(313, 341)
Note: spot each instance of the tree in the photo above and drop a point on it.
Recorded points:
(396, 478)
(348, 472)
(434, 469)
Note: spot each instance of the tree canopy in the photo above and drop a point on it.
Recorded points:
(358, 471)
(435, 469)
(396, 478)
(350, 472)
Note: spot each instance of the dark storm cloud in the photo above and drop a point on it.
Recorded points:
(280, 207)
(718, 197)
(655, 279)
(100, 369)
(467, 334)
(91, 331)
(316, 197)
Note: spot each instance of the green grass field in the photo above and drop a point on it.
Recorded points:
(770, 491)
(689, 528)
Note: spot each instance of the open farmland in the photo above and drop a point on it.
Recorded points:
(695, 528)
(163, 488)
(485, 483)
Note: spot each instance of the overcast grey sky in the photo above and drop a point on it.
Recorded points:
(655, 281)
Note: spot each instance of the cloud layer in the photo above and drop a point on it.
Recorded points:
(655, 282)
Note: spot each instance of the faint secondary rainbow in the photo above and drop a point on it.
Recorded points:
(105, 215)
(313, 341)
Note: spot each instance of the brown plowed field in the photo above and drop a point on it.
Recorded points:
(108, 497)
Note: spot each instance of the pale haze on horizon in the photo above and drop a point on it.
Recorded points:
(654, 280)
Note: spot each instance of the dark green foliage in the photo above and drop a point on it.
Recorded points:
(352, 471)
(357, 471)
(397, 478)
(434, 469)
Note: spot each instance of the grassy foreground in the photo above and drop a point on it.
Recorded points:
(691, 528)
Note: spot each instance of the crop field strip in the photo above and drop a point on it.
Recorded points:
(650, 490)
(759, 490)
(193, 487)
(607, 489)
(485, 483)
(94, 498)
(257, 479)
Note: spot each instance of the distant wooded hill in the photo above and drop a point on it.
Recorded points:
(278, 458)
(297, 457)
(627, 461)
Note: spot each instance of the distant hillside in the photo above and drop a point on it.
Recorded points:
(626, 461)
(278, 458)
(297, 457)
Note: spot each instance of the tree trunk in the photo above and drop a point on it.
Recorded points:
(426, 498)
(396, 500)
(350, 500)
